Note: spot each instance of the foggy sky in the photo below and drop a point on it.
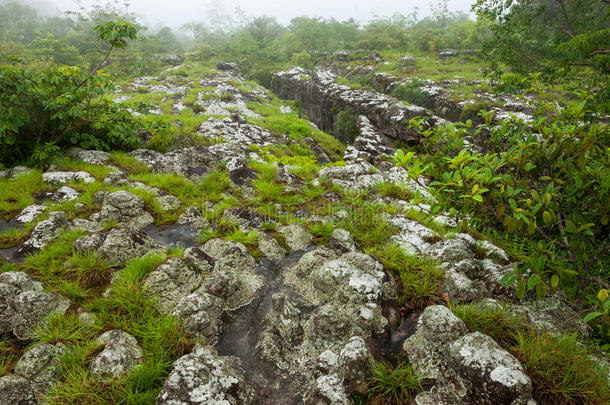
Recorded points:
(176, 12)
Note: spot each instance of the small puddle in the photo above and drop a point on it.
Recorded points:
(9, 254)
(240, 335)
(174, 235)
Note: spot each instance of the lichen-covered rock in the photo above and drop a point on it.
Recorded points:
(245, 219)
(493, 375)
(355, 363)
(201, 314)
(89, 243)
(203, 377)
(193, 217)
(412, 236)
(193, 163)
(65, 193)
(47, 230)
(23, 305)
(271, 248)
(61, 178)
(437, 326)
(234, 278)
(123, 244)
(296, 236)
(343, 240)
(94, 157)
(168, 202)
(462, 368)
(116, 178)
(170, 282)
(16, 390)
(120, 355)
(31, 308)
(124, 207)
(29, 213)
(40, 365)
(328, 390)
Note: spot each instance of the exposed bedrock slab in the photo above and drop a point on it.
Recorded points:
(320, 95)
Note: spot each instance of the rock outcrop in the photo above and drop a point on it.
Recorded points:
(320, 95)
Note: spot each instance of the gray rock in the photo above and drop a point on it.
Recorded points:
(89, 243)
(124, 207)
(343, 240)
(94, 157)
(65, 193)
(271, 248)
(61, 178)
(203, 377)
(355, 361)
(328, 389)
(29, 213)
(20, 281)
(116, 178)
(170, 282)
(31, 308)
(40, 365)
(198, 261)
(47, 230)
(201, 314)
(227, 66)
(446, 53)
(99, 197)
(296, 236)
(168, 202)
(123, 244)
(234, 278)
(193, 217)
(412, 236)
(437, 327)
(121, 354)
(16, 390)
(492, 374)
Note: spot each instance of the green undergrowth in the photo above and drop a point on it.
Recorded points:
(563, 369)
(19, 192)
(390, 384)
(419, 277)
(161, 337)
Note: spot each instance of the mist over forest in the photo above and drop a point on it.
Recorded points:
(230, 202)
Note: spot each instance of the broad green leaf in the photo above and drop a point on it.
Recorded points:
(591, 316)
(521, 288)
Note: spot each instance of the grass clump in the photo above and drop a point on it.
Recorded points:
(392, 384)
(494, 320)
(7, 355)
(562, 369)
(419, 277)
(18, 193)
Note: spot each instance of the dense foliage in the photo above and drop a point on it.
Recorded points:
(545, 185)
(559, 38)
(46, 110)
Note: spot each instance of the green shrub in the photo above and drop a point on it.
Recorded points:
(345, 127)
(547, 182)
(43, 111)
(411, 92)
